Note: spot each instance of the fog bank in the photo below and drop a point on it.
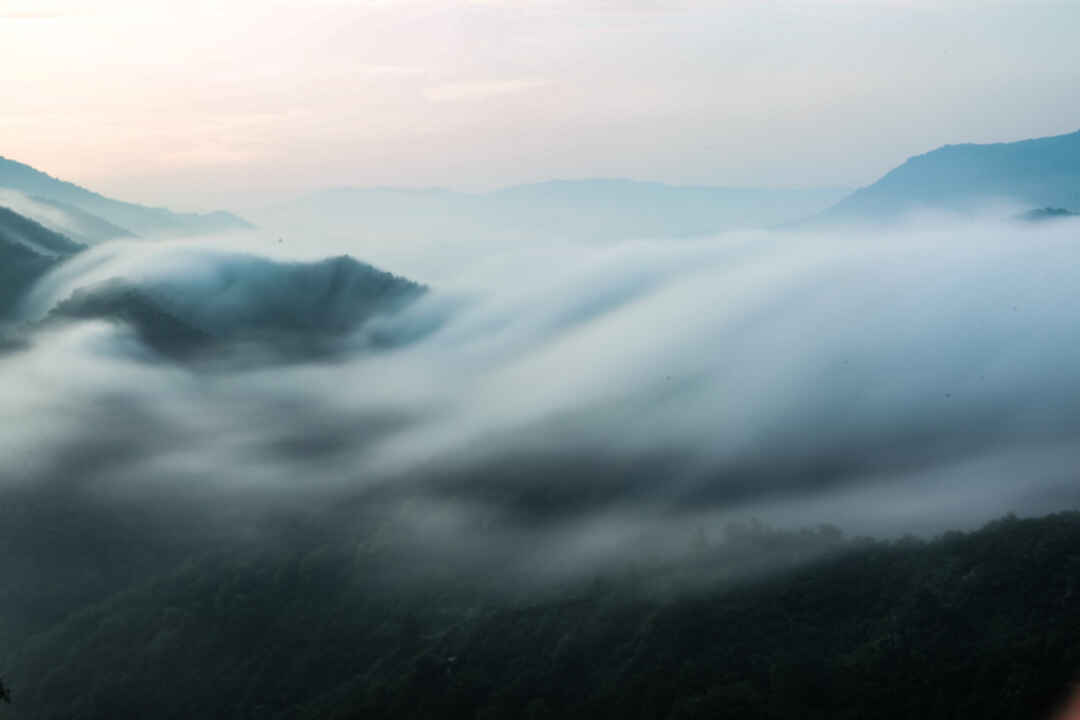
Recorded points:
(567, 403)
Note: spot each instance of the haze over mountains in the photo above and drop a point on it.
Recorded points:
(1039, 177)
(612, 376)
(967, 178)
(82, 212)
(539, 360)
(1001, 179)
(222, 300)
(46, 220)
(1028, 175)
(597, 211)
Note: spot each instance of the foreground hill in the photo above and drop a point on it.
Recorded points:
(984, 625)
(125, 217)
(963, 178)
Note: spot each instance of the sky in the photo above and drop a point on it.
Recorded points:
(201, 104)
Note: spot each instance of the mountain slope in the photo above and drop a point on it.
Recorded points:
(68, 220)
(221, 301)
(120, 301)
(1038, 173)
(27, 251)
(978, 625)
(139, 219)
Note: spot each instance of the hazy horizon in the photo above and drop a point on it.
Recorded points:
(206, 106)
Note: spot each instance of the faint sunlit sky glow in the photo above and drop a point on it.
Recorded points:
(201, 102)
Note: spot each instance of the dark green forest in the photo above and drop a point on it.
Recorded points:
(968, 625)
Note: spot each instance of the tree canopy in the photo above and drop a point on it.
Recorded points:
(983, 624)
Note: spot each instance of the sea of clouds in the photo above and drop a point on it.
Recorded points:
(565, 401)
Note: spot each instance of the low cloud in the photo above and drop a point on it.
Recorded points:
(578, 399)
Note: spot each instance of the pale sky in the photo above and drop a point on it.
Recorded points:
(200, 104)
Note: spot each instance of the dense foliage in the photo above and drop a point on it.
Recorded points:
(982, 625)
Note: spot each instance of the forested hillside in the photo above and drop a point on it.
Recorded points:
(979, 625)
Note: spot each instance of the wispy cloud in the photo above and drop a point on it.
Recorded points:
(451, 92)
(53, 9)
(390, 70)
(30, 15)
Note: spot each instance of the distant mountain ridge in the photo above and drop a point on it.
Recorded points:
(595, 210)
(1038, 173)
(130, 217)
(631, 207)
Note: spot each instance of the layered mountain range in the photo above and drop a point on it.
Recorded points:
(91, 217)
(45, 221)
(1043, 173)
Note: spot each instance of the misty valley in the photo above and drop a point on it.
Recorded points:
(568, 449)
